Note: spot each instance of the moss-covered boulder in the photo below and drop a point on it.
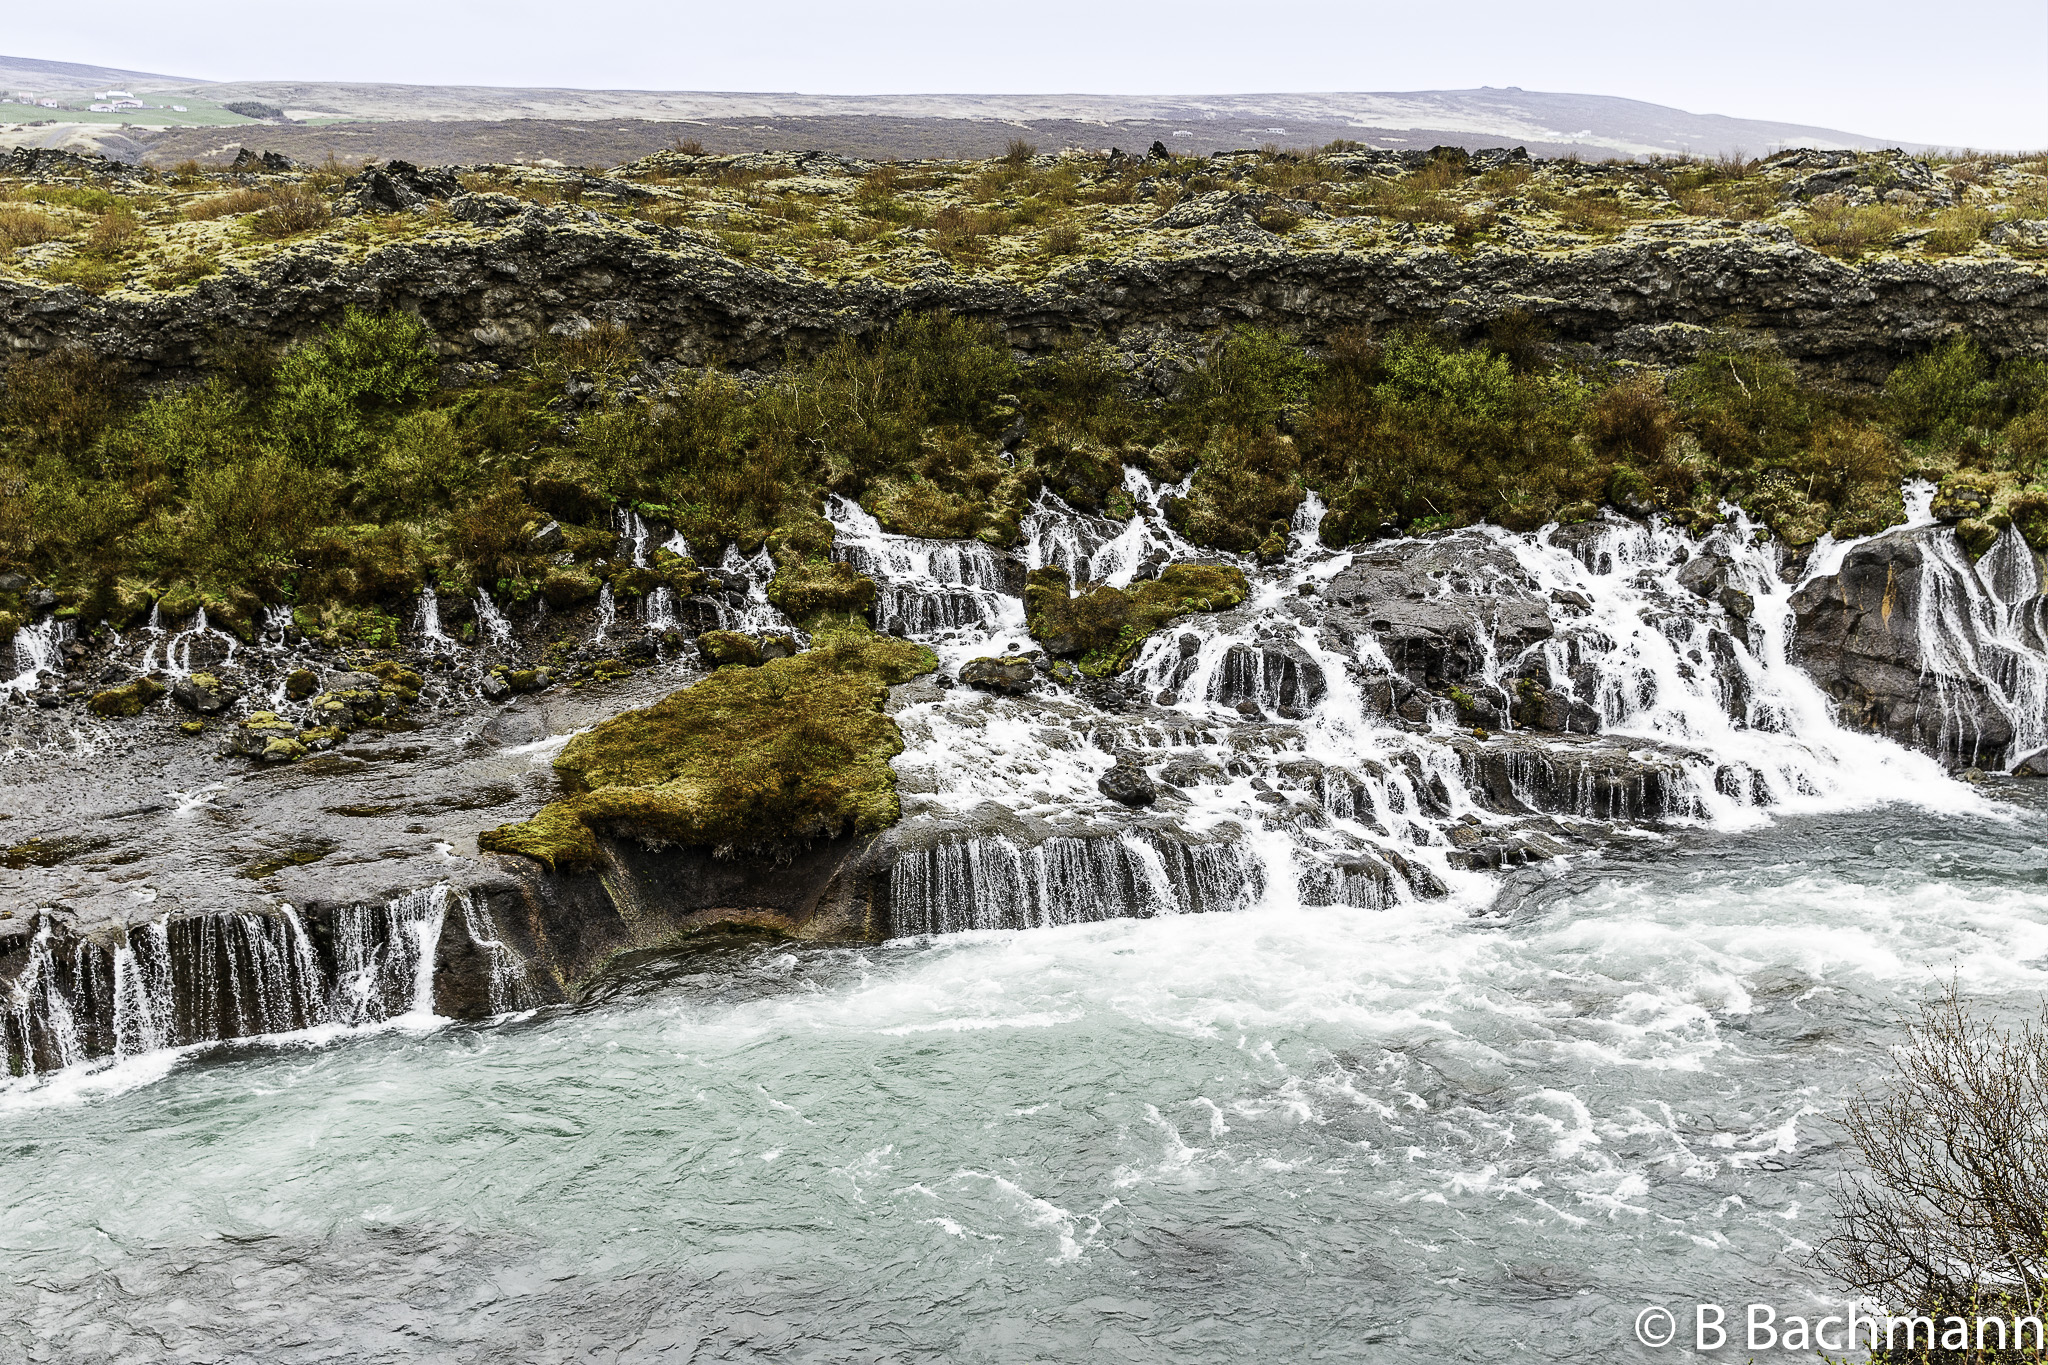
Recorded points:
(796, 749)
(804, 587)
(564, 588)
(127, 699)
(724, 647)
(1104, 626)
(301, 683)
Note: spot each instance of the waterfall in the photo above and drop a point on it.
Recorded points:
(506, 984)
(143, 994)
(1984, 634)
(758, 613)
(177, 981)
(38, 649)
(957, 885)
(607, 615)
(427, 621)
(928, 589)
(658, 610)
(497, 630)
(634, 536)
(177, 660)
(384, 957)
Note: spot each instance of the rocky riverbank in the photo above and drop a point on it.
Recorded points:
(1364, 728)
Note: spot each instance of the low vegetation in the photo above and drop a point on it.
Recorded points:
(338, 478)
(795, 749)
(1104, 626)
(1947, 1221)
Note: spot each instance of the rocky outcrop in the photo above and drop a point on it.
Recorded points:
(513, 271)
(1915, 642)
(1441, 608)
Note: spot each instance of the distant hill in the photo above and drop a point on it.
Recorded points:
(34, 74)
(584, 126)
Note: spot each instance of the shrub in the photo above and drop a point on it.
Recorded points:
(21, 227)
(1632, 419)
(1958, 229)
(291, 209)
(1942, 392)
(1840, 228)
(62, 400)
(1950, 1214)
(369, 361)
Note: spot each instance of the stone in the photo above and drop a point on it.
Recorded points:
(1433, 604)
(547, 539)
(494, 688)
(1012, 676)
(202, 693)
(301, 683)
(1127, 784)
(1859, 636)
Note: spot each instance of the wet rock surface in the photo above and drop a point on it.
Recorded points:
(1917, 643)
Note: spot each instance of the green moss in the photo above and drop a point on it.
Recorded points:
(1105, 626)
(126, 700)
(565, 588)
(301, 683)
(803, 588)
(796, 749)
(724, 647)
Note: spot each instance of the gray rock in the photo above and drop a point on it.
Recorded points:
(1860, 637)
(494, 688)
(1430, 601)
(202, 693)
(1012, 676)
(547, 539)
(1128, 784)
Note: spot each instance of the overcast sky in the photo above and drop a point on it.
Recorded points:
(1971, 72)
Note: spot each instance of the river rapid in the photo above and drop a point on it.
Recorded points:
(1435, 1132)
(1387, 1101)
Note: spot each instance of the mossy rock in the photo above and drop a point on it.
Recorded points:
(680, 572)
(126, 700)
(1105, 626)
(194, 727)
(398, 675)
(803, 588)
(565, 588)
(1963, 495)
(723, 647)
(301, 683)
(283, 750)
(796, 749)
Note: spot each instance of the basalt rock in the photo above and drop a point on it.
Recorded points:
(1651, 294)
(1440, 608)
(1915, 642)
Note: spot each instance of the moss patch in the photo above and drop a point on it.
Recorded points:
(803, 588)
(795, 749)
(1104, 626)
(127, 699)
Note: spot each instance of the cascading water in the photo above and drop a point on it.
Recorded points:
(931, 590)
(427, 621)
(180, 980)
(607, 615)
(497, 630)
(38, 649)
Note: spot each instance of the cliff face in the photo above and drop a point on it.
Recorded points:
(513, 272)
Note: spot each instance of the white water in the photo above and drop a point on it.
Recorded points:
(497, 630)
(38, 650)
(1348, 1120)
(427, 622)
